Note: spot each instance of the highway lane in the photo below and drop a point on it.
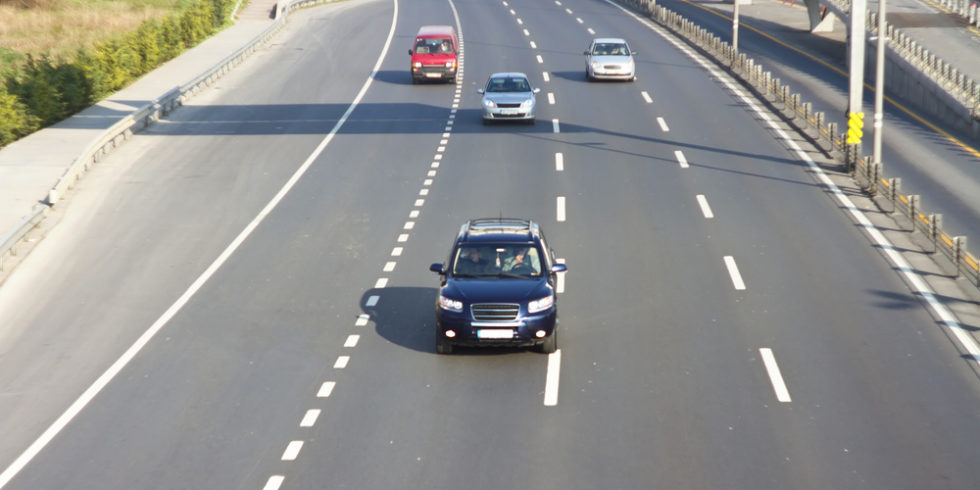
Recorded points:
(943, 172)
(662, 382)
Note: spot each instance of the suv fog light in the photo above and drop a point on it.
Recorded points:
(540, 334)
(450, 333)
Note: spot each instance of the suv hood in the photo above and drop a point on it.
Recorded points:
(504, 289)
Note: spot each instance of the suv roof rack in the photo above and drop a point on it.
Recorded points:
(488, 226)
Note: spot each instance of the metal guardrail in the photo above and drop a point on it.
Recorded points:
(138, 120)
(801, 115)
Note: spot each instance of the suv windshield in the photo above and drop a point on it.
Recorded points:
(433, 45)
(497, 260)
(610, 49)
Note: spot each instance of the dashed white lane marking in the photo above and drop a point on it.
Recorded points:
(362, 320)
(341, 362)
(413, 214)
(782, 394)
(519, 21)
(705, 208)
(396, 252)
(592, 31)
(663, 124)
(560, 204)
(733, 271)
(554, 126)
(646, 97)
(551, 98)
(545, 76)
(551, 379)
(352, 340)
(560, 280)
(372, 300)
(533, 46)
(579, 20)
(274, 482)
(539, 58)
(569, 11)
(527, 33)
(403, 238)
(292, 450)
(419, 203)
(512, 12)
(424, 192)
(381, 283)
(326, 389)
(309, 419)
(408, 225)
(389, 266)
(559, 162)
(680, 158)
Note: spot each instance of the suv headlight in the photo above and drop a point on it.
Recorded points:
(540, 304)
(527, 104)
(450, 304)
(489, 103)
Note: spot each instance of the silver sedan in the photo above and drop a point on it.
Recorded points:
(508, 96)
(609, 58)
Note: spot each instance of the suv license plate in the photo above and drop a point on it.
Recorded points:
(495, 333)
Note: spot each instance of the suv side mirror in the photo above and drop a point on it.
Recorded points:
(437, 268)
(557, 268)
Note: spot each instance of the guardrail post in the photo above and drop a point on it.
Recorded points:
(935, 224)
(913, 209)
(959, 251)
(874, 175)
(893, 185)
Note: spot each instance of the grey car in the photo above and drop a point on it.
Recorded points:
(508, 96)
(609, 58)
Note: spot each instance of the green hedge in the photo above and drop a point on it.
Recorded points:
(45, 91)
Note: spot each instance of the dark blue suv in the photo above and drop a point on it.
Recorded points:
(498, 287)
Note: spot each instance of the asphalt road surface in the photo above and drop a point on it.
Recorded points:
(239, 297)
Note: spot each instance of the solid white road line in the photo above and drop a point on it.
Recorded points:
(551, 379)
(733, 271)
(560, 204)
(292, 450)
(782, 394)
(705, 208)
(106, 377)
(681, 159)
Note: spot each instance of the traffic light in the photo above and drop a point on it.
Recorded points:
(855, 122)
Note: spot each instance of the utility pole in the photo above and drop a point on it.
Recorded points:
(735, 26)
(879, 83)
(855, 113)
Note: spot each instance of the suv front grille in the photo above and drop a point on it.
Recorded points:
(495, 312)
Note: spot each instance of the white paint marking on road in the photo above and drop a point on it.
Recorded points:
(705, 208)
(551, 379)
(397, 251)
(560, 282)
(551, 98)
(579, 20)
(381, 283)
(520, 22)
(352, 340)
(540, 59)
(326, 389)
(292, 451)
(372, 300)
(274, 482)
(443, 142)
(435, 164)
(309, 420)
(512, 12)
(592, 31)
(782, 394)
(733, 271)
(646, 97)
(663, 124)
(441, 149)
(113, 370)
(341, 362)
(362, 320)
(533, 45)
(413, 214)
(408, 225)
(554, 126)
(389, 266)
(431, 173)
(559, 162)
(403, 238)
(569, 11)
(681, 159)
(527, 33)
(545, 76)
(424, 192)
(437, 157)
(561, 208)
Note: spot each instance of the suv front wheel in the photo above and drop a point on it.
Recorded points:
(550, 344)
(443, 347)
